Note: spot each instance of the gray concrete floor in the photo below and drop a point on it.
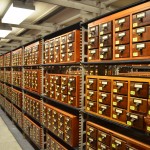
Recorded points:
(10, 137)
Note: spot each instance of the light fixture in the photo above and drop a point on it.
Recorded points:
(4, 30)
(17, 12)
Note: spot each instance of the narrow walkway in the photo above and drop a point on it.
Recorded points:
(10, 137)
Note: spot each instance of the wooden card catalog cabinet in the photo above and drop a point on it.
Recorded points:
(120, 36)
(119, 99)
(99, 137)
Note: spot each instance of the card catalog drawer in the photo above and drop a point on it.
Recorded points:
(141, 34)
(106, 53)
(104, 98)
(141, 18)
(122, 51)
(93, 31)
(119, 114)
(120, 101)
(105, 28)
(138, 105)
(122, 37)
(104, 85)
(122, 24)
(106, 40)
(139, 89)
(104, 110)
(120, 87)
(141, 49)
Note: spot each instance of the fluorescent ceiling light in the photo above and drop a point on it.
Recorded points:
(4, 30)
(17, 12)
(4, 33)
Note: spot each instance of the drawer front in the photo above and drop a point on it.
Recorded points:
(64, 98)
(105, 40)
(106, 53)
(122, 51)
(118, 144)
(52, 86)
(138, 105)
(92, 84)
(72, 91)
(91, 95)
(104, 138)
(120, 87)
(52, 94)
(51, 43)
(63, 57)
(71, 37)
(71, 47)
(72, 82)
(101, 146)
(122, 37)
(141, 49)
(63, 39)
(58, 80)
(91, 131)
(57, 58)
(105, 28)
(72, 101)
(93, 31)
(104, 98)
(64, 80)
(58, 96)
(120, 101)
(93, 43)
(105, 85)
(63, 48)
(60, 134)
(141, 34)
(51, 58)
(119, 114)
(71, 56)
(141, 18)
(104, 110)
(58, 88)
(93, 54)
(51, 51)
(91, 142)
(122, 24)
(64, 90)
(57, 41)
(57, 50)
(135, 120)
(91, 106)
(139, 89)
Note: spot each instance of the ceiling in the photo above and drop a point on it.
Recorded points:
(51, 15)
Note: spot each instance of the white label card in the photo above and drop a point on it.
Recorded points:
(92, 40)
(119, 84)
(140, 45)
(121, 34)
(119, 98)
(119, 111)
(141, 15)
(104, 25)
(137, 101)
(138, 85)
(104, 107)
(104, 82)
(104, 95)
(134, 116)
(121, 20)
(105, 37)
(93, 51)
(121, 47)
(105, 50)
(140, 30)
